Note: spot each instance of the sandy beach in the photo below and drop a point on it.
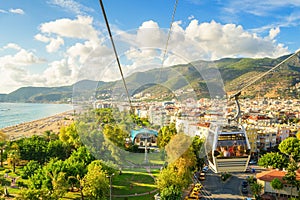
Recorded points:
(38, 127)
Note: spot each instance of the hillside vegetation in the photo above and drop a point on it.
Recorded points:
(164, 83)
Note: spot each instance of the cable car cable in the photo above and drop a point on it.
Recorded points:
(168, 38)
(115, 52)
(253, 80)
(169, 32)
(264, 74)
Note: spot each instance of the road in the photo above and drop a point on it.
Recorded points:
(215, 188)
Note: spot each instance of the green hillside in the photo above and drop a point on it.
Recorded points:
(168, 82)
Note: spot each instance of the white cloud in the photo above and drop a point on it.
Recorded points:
(149, 35)
(191, 17)
(13, 68)
(230, 40)
(90, 56)
(274, 32)
(12, 46)
(80, 28)
(3, 11)
(42, 38)
(257, 7)
(57, 71)
(21, 58)
(71, 5)
(17, 11)
(54, 45)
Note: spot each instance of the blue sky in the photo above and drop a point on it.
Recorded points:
(58, 42)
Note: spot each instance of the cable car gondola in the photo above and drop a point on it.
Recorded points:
(230, 149)
(227, 146)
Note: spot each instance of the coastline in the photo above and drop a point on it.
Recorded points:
(39, 126)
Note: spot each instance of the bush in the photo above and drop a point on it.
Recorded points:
(21, 184)
(225, 176)
(251, 180)
(7, 171)
(30, 169)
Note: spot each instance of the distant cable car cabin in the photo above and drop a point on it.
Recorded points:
(144, 138)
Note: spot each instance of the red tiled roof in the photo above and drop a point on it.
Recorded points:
(268, 176)
(205, 124)
(258, 117)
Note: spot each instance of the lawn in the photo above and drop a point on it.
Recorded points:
(132, 182)
(146, 197)
(154, 158)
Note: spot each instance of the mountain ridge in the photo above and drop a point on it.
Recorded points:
(235, 74)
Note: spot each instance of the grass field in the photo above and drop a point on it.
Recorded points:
(132, 182)
(154, 158)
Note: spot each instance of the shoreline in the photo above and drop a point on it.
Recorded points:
(39, 126)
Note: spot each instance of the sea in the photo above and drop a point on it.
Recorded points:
(17, 113)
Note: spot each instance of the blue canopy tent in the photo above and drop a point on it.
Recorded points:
(143, 135)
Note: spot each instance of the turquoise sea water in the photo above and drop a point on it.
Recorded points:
(16, 113)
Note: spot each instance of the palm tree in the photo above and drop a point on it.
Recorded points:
(256, 189)
(13, 156)
(3, 138)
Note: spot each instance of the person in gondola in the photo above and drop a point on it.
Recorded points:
(232, 149)
(240, 151)
(226, 152)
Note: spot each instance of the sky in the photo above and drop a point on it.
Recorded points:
(58, 42)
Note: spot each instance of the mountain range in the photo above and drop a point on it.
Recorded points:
(201, 77)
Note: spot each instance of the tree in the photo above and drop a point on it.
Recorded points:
(13, 156)
(57, 149)
(256, 189)
(33, 148)
(115, 134)
(81, 155)
(69, 135)
(51, 179)
(104, 116)
(291, 147)
(170, 183)
(298, 135)
(95, 183)
(276, 185)
(196, 146)
(276, 160)
(48, 134)
(99, 145)
(171, 192)
(108, 167)
(165, 134)
(290, 176)
(3, 138)
(30, 169)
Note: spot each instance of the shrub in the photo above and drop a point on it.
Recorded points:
(21, 184)
(225, 176)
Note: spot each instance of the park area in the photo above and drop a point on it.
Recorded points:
(132, 183)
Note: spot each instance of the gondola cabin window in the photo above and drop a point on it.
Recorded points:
(232, 145)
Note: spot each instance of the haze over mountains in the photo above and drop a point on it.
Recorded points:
(165, 82)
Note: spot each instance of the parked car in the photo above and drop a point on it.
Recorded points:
(198, 185)
(252, 162)
(244, 183)
(244, 190)
(205, 169)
